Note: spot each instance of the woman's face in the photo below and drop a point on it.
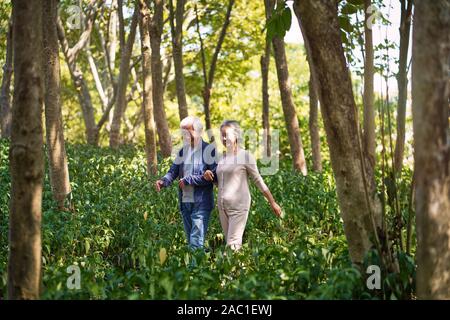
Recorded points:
(228, 136)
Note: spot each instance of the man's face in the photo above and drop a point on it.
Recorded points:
(188, 133)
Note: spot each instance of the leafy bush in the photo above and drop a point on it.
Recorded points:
(129, 240)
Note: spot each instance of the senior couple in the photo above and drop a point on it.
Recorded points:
(197, 169)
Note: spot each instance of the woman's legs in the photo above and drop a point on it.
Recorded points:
(234, 222)
(223, 221)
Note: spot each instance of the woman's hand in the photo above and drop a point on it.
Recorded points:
(276, 209)
(208, 175)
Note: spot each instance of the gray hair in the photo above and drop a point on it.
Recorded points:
(234, 125)
(195, 122)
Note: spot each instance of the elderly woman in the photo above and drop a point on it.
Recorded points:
(232, 174)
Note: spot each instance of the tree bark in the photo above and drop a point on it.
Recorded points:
(313, 102)
(26, 153)
(83, 94)
(121, 99)
(59, 171)
(356, 196)
(265, 63)
(430, 96)
(314, 126)
(5, 92)
(155, 28)
(208, 77)
(287, 102)
(402, 82)
(147, 104)
(368, 97)
(176, 25)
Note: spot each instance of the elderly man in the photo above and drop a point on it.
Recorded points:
(195, 193)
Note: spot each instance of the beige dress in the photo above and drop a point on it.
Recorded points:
(233, 199)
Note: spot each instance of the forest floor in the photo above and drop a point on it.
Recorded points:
(128, 240)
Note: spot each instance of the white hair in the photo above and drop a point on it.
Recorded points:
(234, 126)
(195, 122)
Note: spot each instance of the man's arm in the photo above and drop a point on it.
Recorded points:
(198, 179)
(173, 172)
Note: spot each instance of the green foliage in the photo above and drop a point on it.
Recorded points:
(129, 241)
(280, 21)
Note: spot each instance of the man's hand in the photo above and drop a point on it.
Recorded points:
(208, 175)
(276, 209)
(181, 183)
(158, 185)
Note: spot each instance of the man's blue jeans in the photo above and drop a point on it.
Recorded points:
(195, 222)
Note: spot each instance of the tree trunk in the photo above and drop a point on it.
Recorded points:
(313, 102)
(5, 92)
(121, 99)
(208, 77)
(402, 82)
(156, 27)
(26, 153)
(368, 97)
(147, 105)
(265, 63)
(314, 126)
(356, 197)
(59, 171)
(83, 94)
(176, 24)
(430, 94)
(290, 115)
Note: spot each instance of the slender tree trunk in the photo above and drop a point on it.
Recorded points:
(402, 82)
(5, 92)
(265, 63)
(208, 76)
(156, 26)
(147, 104)
(314, 126)
(430, 96)
(290, 115)
(176, 24)
(356, 196)
(313, 102)
(26, 153)
(368, 97)
(287, 102)
(110, 51)
(121, 101)
(59, 171)
(83, 94)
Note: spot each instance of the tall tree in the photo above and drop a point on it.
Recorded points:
(313, 87)
(82, 89)
(265, 64)
(208, 75)
(314, 125)
(402, 81)
(287, 101)
(430, 96)
(360, 209)
(147, 103)
(368, 96)
(176, 18)
(59, 171)
(126, 51)
(5, 92)
(26, 153)
(156, 28)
